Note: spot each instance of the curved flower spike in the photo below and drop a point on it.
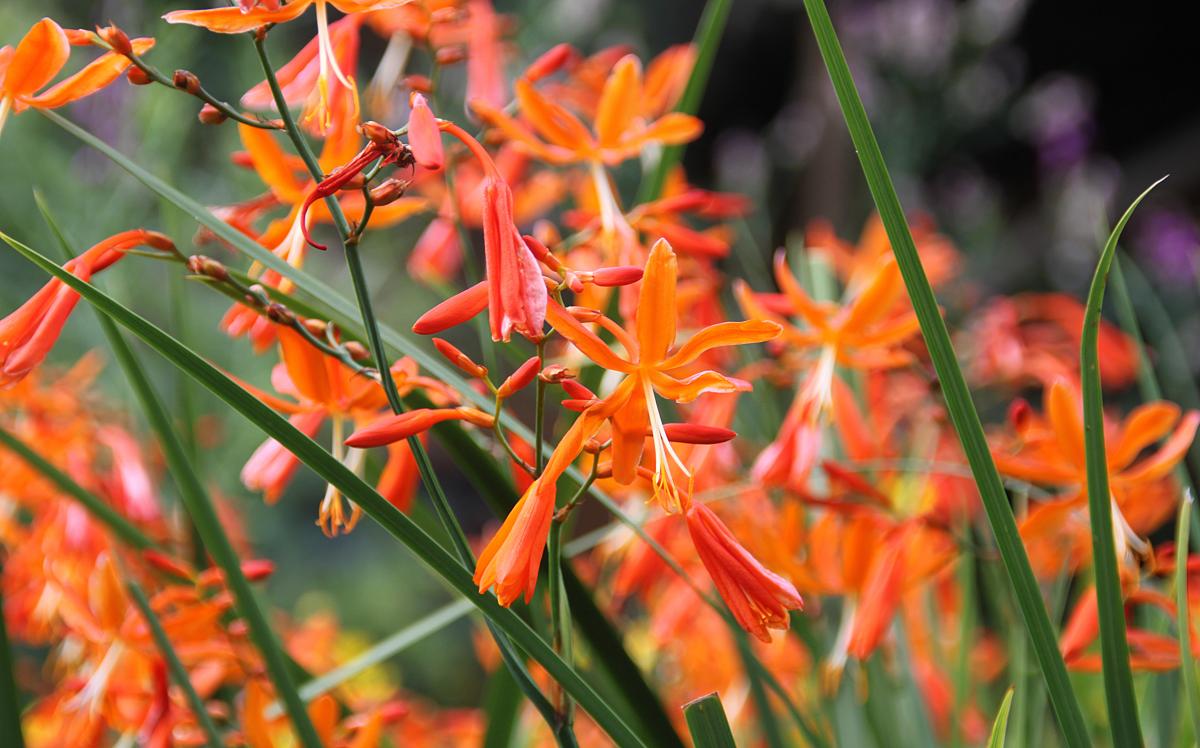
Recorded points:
(40, 55)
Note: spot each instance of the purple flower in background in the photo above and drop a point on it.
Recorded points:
(1056, 117)
(1167, 242)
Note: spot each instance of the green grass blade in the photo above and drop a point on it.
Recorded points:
(1000, 726)
(954, 387)
(1187, 663)
(708, 38)
(707, 723)
(178, 672)
(1114, 646)
(428, 550)
(501, 707)
(772, 735)
(10, 697)
(94, 505)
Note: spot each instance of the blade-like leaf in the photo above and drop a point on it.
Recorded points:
(707, 723)
(1114, 646)
(436, 558)
(1183, 623)
(10, 697)
(1000, 726)
(954, 386)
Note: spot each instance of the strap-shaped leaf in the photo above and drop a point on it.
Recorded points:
(707, 723)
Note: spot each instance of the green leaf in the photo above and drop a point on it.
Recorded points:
(1183, 622)
(1000, 726)
(954, 386)
(1114, 646)
(10, 697)
(436, 558)
(707, 723)
(501, 707)
(178, 672)
(707, 40)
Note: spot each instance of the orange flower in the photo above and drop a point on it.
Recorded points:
(28, 334)
(40, 55)
(619, 129)
(758, 598)
(865, 332)
(510, 561)
(1049, 451)
(238, 20)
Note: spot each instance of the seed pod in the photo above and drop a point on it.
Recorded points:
(389, 191)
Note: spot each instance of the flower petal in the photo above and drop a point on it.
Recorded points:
(719, 335)
(37, 59)
(657, 313)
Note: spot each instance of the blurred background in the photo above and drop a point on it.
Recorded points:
(1020, 129)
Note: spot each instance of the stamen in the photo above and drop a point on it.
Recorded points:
(664, 481)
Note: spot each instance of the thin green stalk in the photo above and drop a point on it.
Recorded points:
(772, 735)
(1187, 662)
(954, 387)
(707, 40)
(560, 622)
(966, 627)
(95, 506)
(1114, 646)
(1000, 725)
(429, 551)
(178, 672)
(10, 697)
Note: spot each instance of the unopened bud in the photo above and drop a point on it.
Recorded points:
(279, 313)
(520, 378)
(622, 275)
(378, 134)
(418, 83)
(316, 327)
(166, 564)
(354, 183)
(208, 267)
(555, 373)
(210, 115)
(459, 359)
(185, 80)
(450, 55)
(389, 191)
(593, 446)
(446, 15)
(542, 253)
(577, 390)
(695, 433)
(357, 350)
(138, 77)
(117, 39)
(550, 62)
(158, 241)
(583, 314)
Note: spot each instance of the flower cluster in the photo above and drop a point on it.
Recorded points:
(771, 443)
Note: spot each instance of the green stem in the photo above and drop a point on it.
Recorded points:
(560, 622)
(178, 672)
(954, 387)
(1187, 661)
(10, 697)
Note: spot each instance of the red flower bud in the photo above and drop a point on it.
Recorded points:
(550, 62)
(623, 275)
(424, 137)
(210, 115)
(695, 433)
(520, 378)
(459, 359)
(454, 310)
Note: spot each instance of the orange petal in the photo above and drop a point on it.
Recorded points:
(813, 312)
(719, 335)
(272, 164)
(619, 101)
(234, 20)
(1168, 455)
(672, 129)
(583, 339)
(306, 366)
(1063, 410)
(1145, 425)
(37, 59)
(656, 312)
(877, 298)
(555, 123)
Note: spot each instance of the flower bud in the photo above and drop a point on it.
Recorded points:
(185, 80)
(424, 137)
(117, 39)
(555, 373)
(357, 350)
(454, 310)
(550, 62)
(389, 191)
(576, 390)
(583, 314)
(450, 55)
(623, 275)
(166, 564)
(279, 314)
(210, 115)
(138, 77)
(353, 184)
(696, 433)
(459, 359)
(378, 134)
(208, 267)
(542, 253)
(417, 83)
(318, 328)
(520, 378)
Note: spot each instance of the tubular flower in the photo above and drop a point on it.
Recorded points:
(40, 55)
(1049, 451)
(759, 599)
(28, 334)
(865, 332)
(238, 20)
(325, 390)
